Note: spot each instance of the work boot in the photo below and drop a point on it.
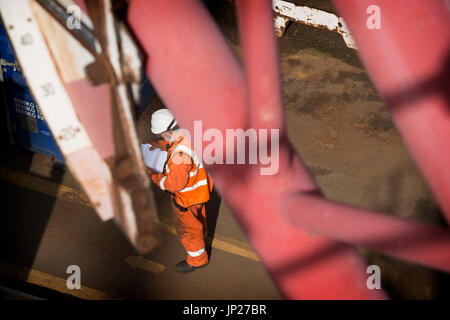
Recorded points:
(184, 267)
(208, 251)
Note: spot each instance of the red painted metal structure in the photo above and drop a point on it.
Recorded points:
(408, 60)
(199, 78)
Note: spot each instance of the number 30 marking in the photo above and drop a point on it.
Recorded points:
(48, 89)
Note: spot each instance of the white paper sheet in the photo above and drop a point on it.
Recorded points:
(154, 159)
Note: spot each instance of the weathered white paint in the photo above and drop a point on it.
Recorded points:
(42, 76)
(280, 25)
(128, 117)
(312, 17)
(131, 61)
(44, 79)
(69, 56)
(129, 222)
(84, 18)
(113, 48)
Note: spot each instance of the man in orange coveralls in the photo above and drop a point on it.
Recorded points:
(185, 178)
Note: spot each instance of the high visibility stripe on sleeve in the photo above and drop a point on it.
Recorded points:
(195, 186)
(189, 152)
(196, 253)
(191, 174)
(161, 183)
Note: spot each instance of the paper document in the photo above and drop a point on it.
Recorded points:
(154, 159)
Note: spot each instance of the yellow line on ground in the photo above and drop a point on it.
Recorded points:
(44, 186)
(239, 248)
(226, 244)
(46, 280)
(228, 247)
(145, 264)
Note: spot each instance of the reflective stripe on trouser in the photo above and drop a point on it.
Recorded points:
(191, 227)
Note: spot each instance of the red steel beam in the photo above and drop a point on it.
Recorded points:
(397, 237)
(302, 266)
(402, 238)
(261, 63)
(197, 75)
(208, 74)
(408, 60)
(425, 244)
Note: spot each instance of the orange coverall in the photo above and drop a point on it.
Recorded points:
(190, 225)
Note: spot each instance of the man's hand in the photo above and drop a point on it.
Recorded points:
(159, 144)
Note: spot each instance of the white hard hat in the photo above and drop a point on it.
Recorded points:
(162, 120)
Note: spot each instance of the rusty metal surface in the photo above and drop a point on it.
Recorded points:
(136, 212)
(117, 62)
(84, 35)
